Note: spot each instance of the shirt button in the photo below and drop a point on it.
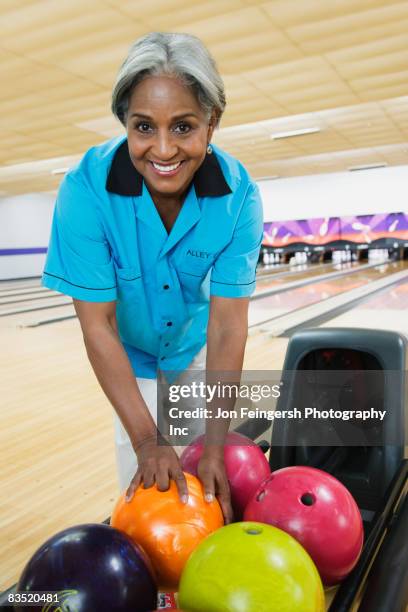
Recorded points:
(166, 286)
(167, 344)
(161, 358)
(169, 323)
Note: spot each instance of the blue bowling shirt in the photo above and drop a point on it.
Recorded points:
(108, 243)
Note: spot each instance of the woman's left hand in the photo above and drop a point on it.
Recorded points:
(211, 472)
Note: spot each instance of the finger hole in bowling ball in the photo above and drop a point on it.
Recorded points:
(308, 499)
(260, 495)
(253, 530)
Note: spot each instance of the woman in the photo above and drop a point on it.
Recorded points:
(156, 236)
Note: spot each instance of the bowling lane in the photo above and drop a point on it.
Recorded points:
(33, 318)
(26, 305)
(273, 271)
(48, 303)
(15, 302)
(25, 283)
(270, 268)
(264, 270)
(17, 293)
(385, 310)
(301, 273)
(279, 304)
(55, 474)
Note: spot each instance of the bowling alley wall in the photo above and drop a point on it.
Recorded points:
(25, 223)
(315, 210)
(358, 207)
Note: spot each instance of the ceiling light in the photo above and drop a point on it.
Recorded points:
(60, 171)
(367, 167)
(291, 133)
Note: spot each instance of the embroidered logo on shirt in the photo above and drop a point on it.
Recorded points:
(200, 254)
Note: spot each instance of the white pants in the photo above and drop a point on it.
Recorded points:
(126, 460)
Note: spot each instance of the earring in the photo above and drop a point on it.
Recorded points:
(209, 149)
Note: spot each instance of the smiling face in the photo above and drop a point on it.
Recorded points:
(168, 134)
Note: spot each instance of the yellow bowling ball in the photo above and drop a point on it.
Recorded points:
(250, 567)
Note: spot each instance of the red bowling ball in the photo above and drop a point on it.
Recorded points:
(317, 510)
(245, 464)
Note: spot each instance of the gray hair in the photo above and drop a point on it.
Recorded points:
(181, 55)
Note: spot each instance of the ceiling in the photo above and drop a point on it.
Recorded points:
(339, 65)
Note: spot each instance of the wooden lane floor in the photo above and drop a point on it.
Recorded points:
(283, 303)
(277, 279)
(57, 459)
(45, 302)
(20, 283)
(386, 310)
(23, 300)
(23, 305)
(37, 316)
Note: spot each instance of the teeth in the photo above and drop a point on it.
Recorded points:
(166, 168)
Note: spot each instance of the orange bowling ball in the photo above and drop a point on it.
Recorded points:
(167, 529)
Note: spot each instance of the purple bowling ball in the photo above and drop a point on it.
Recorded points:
(94, 567)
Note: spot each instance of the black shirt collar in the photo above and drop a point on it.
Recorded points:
(124, 179)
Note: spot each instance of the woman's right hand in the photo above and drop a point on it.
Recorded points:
(158, 463)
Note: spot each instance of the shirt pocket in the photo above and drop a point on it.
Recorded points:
(193, 273)
(194, 280)
(129, 284)
(132, 310)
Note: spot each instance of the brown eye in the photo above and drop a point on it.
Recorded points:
(143, 127)
(183, 128)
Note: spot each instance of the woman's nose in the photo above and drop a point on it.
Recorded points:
(164, 147)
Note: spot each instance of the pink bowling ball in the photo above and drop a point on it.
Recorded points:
(245, 464)
(318, 511)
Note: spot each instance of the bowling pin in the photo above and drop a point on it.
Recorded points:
(393, 225)
(324, 227)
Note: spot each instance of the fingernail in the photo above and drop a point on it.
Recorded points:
(184, 499)
(209, 497)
